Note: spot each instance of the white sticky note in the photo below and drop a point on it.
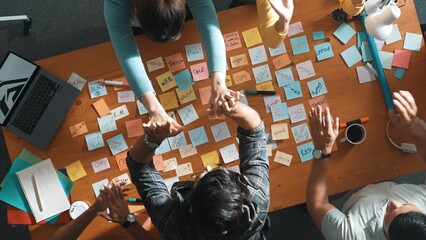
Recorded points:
(107, 124)
(188, 150)
(123, 178)
(395, 35)
(76, 81)
(297, 113)
(184, 169)
(120, 112)
(100, 165)
(283, 158)
(229, 153)
(386, 59)
(97, 89)
(125, 96)
(295, 28)
(364, 74)
(305, 70)
(155, 64)
(98, 186)
(170, 164)
(280, 49)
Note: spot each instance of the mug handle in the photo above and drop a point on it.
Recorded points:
(343, 139)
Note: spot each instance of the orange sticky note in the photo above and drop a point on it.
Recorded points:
(401, 59)
(232, 40)
(265, 86)
(239, 60)
(205, 94)
(199, 71)
(175, 62)
(318, 101)
(166, 81)
(241, 77)
(281, 61)
(78, 129)
(168, 100)
(158, 162)
(101, 108)
(134, 128)
(186, 95)
(228, 81)
(211, 159)
(279, 131)
(252, 37)
(120, 158)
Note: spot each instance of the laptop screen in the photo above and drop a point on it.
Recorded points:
(15, 73)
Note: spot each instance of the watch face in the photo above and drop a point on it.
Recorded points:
(317, 154)
(131, 218)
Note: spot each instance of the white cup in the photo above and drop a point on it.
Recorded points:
(78, 208)
(355, 134)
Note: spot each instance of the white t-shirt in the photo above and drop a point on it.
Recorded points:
(362, 215)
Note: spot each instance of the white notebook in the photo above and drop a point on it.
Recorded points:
(43, 190)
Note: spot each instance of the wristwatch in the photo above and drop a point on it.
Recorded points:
(131, 218)
(149, 143)
(318, 154)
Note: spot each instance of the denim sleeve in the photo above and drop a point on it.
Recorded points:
(254, 166)
(154, 193)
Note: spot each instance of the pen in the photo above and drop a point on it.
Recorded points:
(114, 83)
(134, 200)
(371, 68)
(256, 92)
(37, 193)
(361, 120)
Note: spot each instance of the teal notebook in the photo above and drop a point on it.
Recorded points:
(11, 191)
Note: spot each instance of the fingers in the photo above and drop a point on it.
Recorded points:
(407, 101)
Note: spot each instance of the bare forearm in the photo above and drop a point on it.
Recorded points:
(317, 194)
(73, 229)
(151, 102)
(138, 232)
(245, 117)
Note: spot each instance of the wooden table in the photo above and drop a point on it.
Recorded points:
(351, 167)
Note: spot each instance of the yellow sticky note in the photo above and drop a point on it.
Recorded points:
(283, 158)
(241, 77)
(228, 81)
(168, 100)
(252, 37)
(166, 81)
(281, 61)
(186, 95)
(78, 129)
(75, 171)
(265, 86)
(279, 131)
(211, 159)
(101, 107)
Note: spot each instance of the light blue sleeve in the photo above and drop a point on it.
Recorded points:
(207, 23)
(337, 226)
(118, 14)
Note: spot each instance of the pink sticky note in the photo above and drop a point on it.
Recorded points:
(158, 162)
(232, 41)
(175, 62)
(205, 94)
(134, 128)
(401, 59)
(200, 71)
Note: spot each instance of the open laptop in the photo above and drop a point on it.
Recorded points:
(33, 102)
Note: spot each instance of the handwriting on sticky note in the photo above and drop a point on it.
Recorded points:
(175, 62)
(284, 76)
(168, 100)
(158, 162)
(155, 64)
(134, 128)
(266, 86)
(301, 133)
(198, 136)
(188, 114)
(295, 28)
(200, 71)
(220, 131)
(271, 101)
(94, 141)
(323, 51)
(258, 55)
(299, 45)
(100, 165)
(205, 94)
(120, 158)
(78, 129)
(297, 113)
(318, 101)
(252, 37)
(184, 79)
(97, 89)
(187, 151)
(76, 81)
(262, 73)
(194, 52)
(240, 77)
(317, 87)
(279, 131)
(210, 159)
(117, 144)
(98, 186)
(279, 112)
(75, 171)
(305, 69)
(101, 107)
(123, 179)
(283, 158)
(293, 90)
(232, 41)
(141, 108)
(184, 169)
(120, 112)
(125, 96)
(166, 81)
(229, 153)
(281, 61)
(239, 60)
(280, 49)
(186, 95)
(305, 151)
(177, 141)
(170, 164)
(107, 124)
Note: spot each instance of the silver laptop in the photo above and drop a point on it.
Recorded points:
(33, 102)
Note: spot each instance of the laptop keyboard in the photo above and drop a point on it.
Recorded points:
(35, 105)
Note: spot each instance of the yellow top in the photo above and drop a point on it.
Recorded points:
(267, 19)
(350, 8)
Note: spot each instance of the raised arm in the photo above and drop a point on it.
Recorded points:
(406, 118)
(324, 132)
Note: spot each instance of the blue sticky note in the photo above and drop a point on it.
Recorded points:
(279, 112)
(317, 87)
(258, 55)
(351, 56)
(184, 79)
(386, 58)
(220, 131)
(198, 136)
(262, 74)
(399, 73)
(284, 76)
(293, 90)
(299, 45)
(117, 144)
(318, 35)
(323, 51)
(305, 151)
(344, 33)
(194, 52)
(188, 114)
(177, 141)
(163, 148)
(412, 41)
(361, 37)
(366, 53)
(94, 141)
